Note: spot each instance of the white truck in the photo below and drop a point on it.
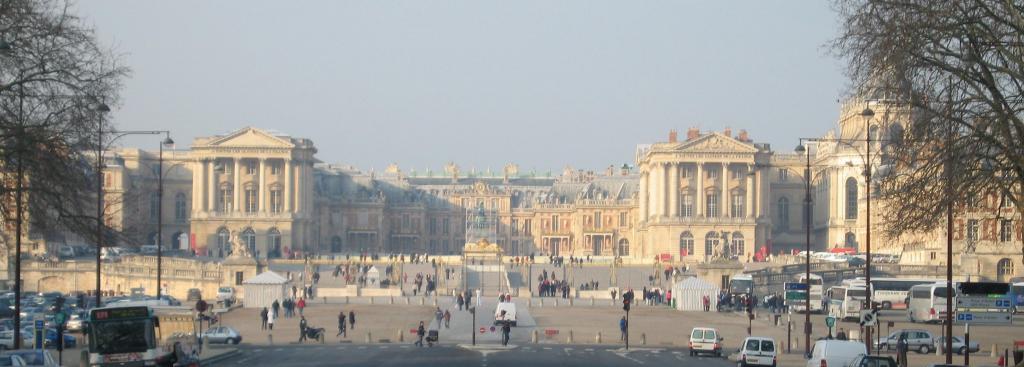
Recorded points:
(505, 312)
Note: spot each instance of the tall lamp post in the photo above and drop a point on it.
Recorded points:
(867, 114)
(167, 142)
(801, 149)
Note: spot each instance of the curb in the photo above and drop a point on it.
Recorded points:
(221, 357)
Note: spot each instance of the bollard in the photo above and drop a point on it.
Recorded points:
(591, 301)
(407, 300)
(422, 301)
(533, 337)
(569, 340)
(270, 339)
(325, 300)
(597, 338)
(392, 300)
(435, 301)
(995, 351)
(541, 302)
(347, 300)
(400, 337)
(369, 337)
(556, 302)
(371, 300)
(643, 338)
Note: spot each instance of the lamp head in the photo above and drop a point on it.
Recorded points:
(800, 148)
(103, 108)
(867, 113)
(168, 142)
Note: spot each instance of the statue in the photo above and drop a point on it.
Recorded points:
(238, 248)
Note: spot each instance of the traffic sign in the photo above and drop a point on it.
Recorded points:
(830, 321)
(60, 317)
(796, 286)
(1001, 302)
(796, 295)
(483, 330)
(984, 317)
(868, 317)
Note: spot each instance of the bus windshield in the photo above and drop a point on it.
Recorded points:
(940, 292)
(121, 336)
(738, 286)
(856, 293)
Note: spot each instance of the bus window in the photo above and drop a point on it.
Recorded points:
(941, 292)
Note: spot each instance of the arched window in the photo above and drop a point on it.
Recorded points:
(623, 247)
(783, 209)
(154, 206)
(180, 207)
(736, 245)
(273, 243)
(223, 239)
(249, 240)
(711, 242)
(1004, 270)
(851, 198)
(177, 241)
(711, 206)
(224, 205)
(851, 240)
(335, 244)
(686, 244)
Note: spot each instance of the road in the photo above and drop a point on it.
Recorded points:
(491, 355)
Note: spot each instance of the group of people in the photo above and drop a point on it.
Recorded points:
(465, 299)
(342, 330)
(592, 285)
(553, 288)
(419, 281)
(734, 302)
(655, 296)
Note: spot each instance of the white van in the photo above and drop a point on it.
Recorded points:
(835, 353)
(927, 302)
(757, 351)
(705, 340)
(510, 313)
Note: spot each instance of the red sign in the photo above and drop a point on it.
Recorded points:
(550, 332)
(483, 330)
(843, 250)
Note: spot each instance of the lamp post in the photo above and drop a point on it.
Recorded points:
(160, 212)
(867, 114)
(801, 149)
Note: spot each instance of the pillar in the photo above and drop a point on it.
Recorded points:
(262, 198)
(655, 190)
(198, 170)
(665, 187)
(211, 185)
(299, 190)
(673, 185)
(237, 186)
(643, 195)
(726, 206)
(699, 192)
(750, 192)
(287, 185)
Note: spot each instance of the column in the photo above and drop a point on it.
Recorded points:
(726, 194)
(262, 199)
(763, 194)
(198, 170)
(655, 190)
(666, 187)
(211, 185)
(299, 190)
(643, 195)
(237, 186)
(698, 194)
(287, 185)
(673, 185)
(750, 191)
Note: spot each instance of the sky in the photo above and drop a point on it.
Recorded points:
(542, 84)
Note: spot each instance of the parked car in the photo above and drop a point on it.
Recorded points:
(7, 339)
(74, 322)
(225, 293)
(11, 360)
(34, 357)
(835, 353)
(222, 335)
(873, 361)
(958, 345)
(757, 351)
(920, 340)
(705, 340)
(66, 252)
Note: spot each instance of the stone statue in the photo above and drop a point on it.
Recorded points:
(238, 247)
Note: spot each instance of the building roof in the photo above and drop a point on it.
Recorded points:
(267, 277)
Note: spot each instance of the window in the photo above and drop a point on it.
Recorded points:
(180, 207)
(515, 227)
(685, 244)
(1006, 202)
(526, 227)
(972, 230)
(275, 168)
(737, 245)
(154, 205)
(712, 205)
(1004, 270)
(623, 221)
(275, 201)
(710, 243)
(684, 172)
(223, 238)
(597, 220)
(783, 211)
(251, 204)
(712, 174)
(249, 240)
(783, 174)
(554, 223)
(405, 222)
(225, 202)
(274, 243)
(851, 198)
(444, 225)
(687, 209)
(738, 205)
(432, 226)
(1005, 230)
(623, 247)
(250, 168)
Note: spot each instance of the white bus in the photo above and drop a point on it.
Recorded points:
(142, 336)
(891, 293)
(815, 293)
(846, 302)
(928, 302)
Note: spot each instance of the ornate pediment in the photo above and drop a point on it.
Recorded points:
(251, 137)
(714, 143)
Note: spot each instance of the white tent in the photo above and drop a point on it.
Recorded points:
(689, 294)
(264, 289)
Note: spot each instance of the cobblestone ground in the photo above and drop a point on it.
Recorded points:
(381, 321)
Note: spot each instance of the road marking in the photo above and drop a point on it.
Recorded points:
(383, 347)
(278, 349)
(257, 350)
(589, 349)
(405, 347)
(623, 355)
(547, 348)
(362, 347)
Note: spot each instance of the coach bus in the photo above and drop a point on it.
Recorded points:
(143, 336)
(928, 302)
(845, 302)
(815, 293)
(891, 293)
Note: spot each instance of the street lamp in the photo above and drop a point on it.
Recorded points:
(102, 109)
(867, 114)
(801, 149)
(167, 142)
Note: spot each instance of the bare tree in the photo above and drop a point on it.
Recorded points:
(958, 66)
(53, 74)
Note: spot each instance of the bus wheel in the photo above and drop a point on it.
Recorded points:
(886, 305)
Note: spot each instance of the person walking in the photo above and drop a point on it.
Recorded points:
(275, 306)
(447, 319)
(352, 320)
(270, 320)
(901, 350)
(420, 332)
(263, 318)
(341, 324)
(302, 330)
(439, 316)
(506, 332)
(460, 301)
(623, 326)
(301, 305)
(707, 303)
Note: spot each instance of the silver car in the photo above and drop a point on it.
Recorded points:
(222, 335)
(958, 345)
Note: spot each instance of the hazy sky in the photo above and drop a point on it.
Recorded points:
(482, 83)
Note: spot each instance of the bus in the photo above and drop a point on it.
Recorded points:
(928, 302)
(845, 302)
(741, 284)
(142, 335)
(1017, 297)
(815, 294)
(891, 293)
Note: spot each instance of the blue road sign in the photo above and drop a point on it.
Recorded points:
(796, 286)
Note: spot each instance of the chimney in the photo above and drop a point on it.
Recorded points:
(727, 132)
(610, 171)
(692, 133)
(673, 136)
(743, 136)
(625, 169)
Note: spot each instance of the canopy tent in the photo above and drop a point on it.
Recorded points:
(689, 294)
(262, 290)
